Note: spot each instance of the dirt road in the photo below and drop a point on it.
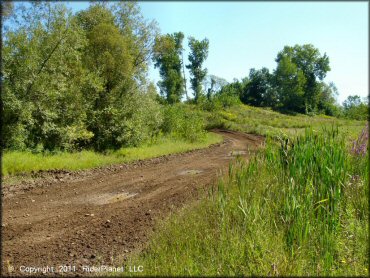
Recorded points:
(101, 215)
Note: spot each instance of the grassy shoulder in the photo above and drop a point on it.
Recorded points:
(265, 121)
(15, 162)
(297, 208)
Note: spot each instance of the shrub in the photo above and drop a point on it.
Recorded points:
(126, 123)
(183, 123)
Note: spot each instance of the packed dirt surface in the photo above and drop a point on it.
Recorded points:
(66, 221)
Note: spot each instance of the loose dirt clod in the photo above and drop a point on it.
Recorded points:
(126, 216)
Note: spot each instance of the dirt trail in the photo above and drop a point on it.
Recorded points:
(98, 218)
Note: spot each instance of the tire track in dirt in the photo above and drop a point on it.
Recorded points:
(102, 217)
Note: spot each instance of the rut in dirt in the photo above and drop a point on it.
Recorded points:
(103, 216)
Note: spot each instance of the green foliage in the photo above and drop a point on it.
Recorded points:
(229, 94)
(132, 123)
(259, 91)
(93, 16)
(219, 94)
(107, 55)
(290, 81)
(225, 100)
(287, 211)
(140, 32)
(295, 86)
(213, 84)
(327, 104)
(198, 54)
(167, 57)
(355, 109)
(41, 69)
(77, 81)
(183, 123)
(315, 172)
(305, 65)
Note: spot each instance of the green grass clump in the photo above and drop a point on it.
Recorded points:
(15, 162)
(299, 207)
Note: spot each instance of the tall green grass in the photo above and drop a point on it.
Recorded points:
(15, 162)
(300, 207)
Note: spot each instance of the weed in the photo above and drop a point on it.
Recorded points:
(293, 209)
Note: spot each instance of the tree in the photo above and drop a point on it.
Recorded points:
(116, 83)
(41, 74)
(355, 108)
(213, 84)
(259, 90)
(141, 34)
(327, 102)
(72, 81)
(230, 93)
(167, 57)
(108, 55)
(312, 65)
(290, 83)
(198, 54)
(352, 101)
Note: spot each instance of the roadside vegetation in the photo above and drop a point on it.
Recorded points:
(25, 162)
(299, 207)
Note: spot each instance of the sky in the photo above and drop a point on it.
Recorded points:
(245, 35)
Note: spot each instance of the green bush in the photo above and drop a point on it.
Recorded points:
(183, 123)
(127, 123)
(145, 121)
(226, 100)
(360, 112)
